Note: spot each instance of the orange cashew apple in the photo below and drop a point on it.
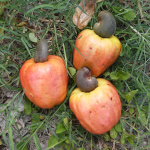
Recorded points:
(44, 78)
(97, 49)
(95, 103)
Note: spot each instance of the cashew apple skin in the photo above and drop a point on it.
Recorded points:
(99, 110)
(95, 52)
(45, 83)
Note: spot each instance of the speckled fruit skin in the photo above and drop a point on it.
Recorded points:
(99, 110)
(97, 53)
(45, 83)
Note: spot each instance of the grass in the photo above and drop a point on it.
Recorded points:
(24, 125)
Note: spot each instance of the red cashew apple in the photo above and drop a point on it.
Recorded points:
(44, 78)
(95, 103)
(97, 49)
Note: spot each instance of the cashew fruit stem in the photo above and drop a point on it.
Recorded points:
(41, 52)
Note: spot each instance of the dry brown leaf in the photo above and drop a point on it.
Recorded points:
(21, 24)
(80, 18)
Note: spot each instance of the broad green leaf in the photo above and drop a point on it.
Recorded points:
(129, 15)
(27, 107)
(129, 96)
(106, 74)
(35, 118)
(53, 140)
(72, 70)
(33, 37)
(120, 75)
(131, 111)
(60, 128)
(113, 75)
(68, 141)
(118, 127)
(61, 135)
(106, 137)
(56, 144)
(68, 147)
(1, 142)
(130, 139)
(142, 117)
(36, 122)
(123, 75)
(66, 123)
(117, 9)
(81, 149)
(123, 137)
(113, 133)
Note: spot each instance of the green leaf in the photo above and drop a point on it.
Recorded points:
(27, 107)
(36, 122)
(118, 127)
(106, 137)
(60, 128)
(106, 73)
(68, 141)
(131, 111)
(130, 139)
(129, 15)
(33, 37)
(123, 137)
(35, 118)
(142, 117)
(81, 149)
(62, 135)
(113, 75)
(120, 75)
(56, 143)
(123, 75)
(53, 140)
(129, 96)
(72, 70)
(117, 9)
(66, 123)
(113, 133)
(68, 147)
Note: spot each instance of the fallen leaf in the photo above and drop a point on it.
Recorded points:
(33, 37)
(84, 13)
(21, 24)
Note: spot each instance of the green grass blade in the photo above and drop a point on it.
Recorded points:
(37, 142)
(11, 143)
